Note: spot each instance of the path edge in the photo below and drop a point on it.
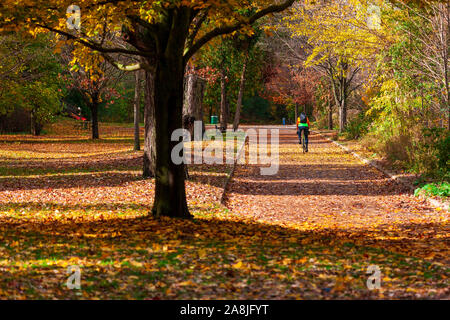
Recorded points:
(433, 202)
(231, 174)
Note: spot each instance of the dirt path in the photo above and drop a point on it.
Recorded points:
(329, 192)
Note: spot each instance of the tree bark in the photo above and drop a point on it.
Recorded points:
(340, 97)
(446, 65)
(340, 89)
(223, 102)
(170, 193)
(94, 119)
(296, 113)
(149, 164)
(137, 110)
(194, 90)
(343, 115)
(36, 127)
(237, 114)
(330, 114)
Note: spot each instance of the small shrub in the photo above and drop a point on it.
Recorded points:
(432, 153)
(358, 126)
(441, 190)
(421, 150)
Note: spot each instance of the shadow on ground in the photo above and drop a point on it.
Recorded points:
(145, 258)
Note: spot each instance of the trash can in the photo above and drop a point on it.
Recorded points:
(214, 119)
(284, 121)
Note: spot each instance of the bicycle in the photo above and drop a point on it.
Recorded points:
(303, 141)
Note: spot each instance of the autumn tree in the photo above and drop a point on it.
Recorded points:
(292, 87)
(236, 62)
(29, 78)
(424, 42)
(95, 86)
(341, 39)
(246, 45)
(165, 34)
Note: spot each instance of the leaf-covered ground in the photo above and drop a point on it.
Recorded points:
(310, 231)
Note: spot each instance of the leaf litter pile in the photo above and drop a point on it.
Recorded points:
(308, 232)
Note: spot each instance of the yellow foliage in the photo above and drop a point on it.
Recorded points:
(341, 28)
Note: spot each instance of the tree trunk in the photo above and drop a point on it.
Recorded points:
(296, 113)
(170, 192)
(223, 102)
(137, 110)
(36, 127)
(447, 85)
(340, 97)
(446, 65)
(341, 117)
(149, 123)
(194, 90)
(237, 114)
(94, 119)
(33, 123)
(330, 114)
(344, 113)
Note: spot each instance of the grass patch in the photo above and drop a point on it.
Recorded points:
(434, 189)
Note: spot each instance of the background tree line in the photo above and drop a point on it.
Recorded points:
(376, 70)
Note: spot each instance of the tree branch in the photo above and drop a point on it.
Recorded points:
(198, 21)
(229, 29)
(92, 45)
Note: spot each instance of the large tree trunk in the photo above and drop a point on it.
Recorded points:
(149, 123)
(170, 192)
(223, 102)
(194, 90)
(137, 110)
(237, 115)
(94, 119)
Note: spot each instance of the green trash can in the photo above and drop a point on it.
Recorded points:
(214, 119)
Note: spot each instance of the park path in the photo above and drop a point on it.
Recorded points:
(329, 192)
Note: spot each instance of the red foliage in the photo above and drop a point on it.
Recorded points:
(288, 86)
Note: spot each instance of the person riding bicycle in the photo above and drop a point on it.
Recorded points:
(303, 125)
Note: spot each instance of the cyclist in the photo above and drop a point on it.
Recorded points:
(303, 125)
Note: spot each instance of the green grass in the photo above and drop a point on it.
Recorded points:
(434, 189)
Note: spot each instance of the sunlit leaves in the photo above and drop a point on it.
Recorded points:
(72, 209)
